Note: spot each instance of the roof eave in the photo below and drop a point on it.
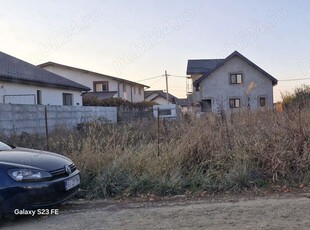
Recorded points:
(88, 71)
(23, 81)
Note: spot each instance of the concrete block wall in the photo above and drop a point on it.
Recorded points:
(31, 118)
(217, 87)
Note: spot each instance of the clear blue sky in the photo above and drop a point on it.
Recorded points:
(141, 39)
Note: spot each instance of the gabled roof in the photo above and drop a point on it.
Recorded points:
(217, 63)
(91, 72)
(15, 70)
(160, 93)
(147, 93)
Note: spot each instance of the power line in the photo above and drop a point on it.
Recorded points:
(169, 75)
(150, 78)
(157, 80)
(292, 79)
(297, 79)
(178, 76)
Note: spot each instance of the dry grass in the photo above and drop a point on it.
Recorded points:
(250, 149)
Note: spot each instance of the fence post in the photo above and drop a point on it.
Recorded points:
(13, 118)
(158, 123)
(46, 129)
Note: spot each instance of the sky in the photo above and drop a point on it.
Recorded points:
(138, 39)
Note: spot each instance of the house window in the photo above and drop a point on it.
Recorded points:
(164, 112)
(262, 101)
(101, 86)
(236, 78)
(67, 99)
(134, 90)
(139, 91)
(39, 97)
(234, 103)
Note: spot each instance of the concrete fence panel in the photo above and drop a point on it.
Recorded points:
(31, 118)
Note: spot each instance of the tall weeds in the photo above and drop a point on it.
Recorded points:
(195, 154)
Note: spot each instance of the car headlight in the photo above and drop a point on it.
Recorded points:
(28, 174)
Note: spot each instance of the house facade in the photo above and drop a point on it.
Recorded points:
(101, 86)
(230, 84)
(24, 83)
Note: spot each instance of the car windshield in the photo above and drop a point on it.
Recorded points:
(4, 147)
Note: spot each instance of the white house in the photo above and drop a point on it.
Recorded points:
(102, 86)
(160, 98)
(24, 83)
(230, 83)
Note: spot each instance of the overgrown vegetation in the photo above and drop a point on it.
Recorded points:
(206, 154)
(300, 97)
(118, 102)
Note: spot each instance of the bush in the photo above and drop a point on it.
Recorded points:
(300, 97)
(116, 102)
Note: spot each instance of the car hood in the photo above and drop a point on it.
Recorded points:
(34, 158)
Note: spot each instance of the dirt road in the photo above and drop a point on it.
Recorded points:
(257, 213)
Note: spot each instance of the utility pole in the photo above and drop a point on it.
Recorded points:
(166, 75)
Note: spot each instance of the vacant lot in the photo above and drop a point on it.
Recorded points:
(225, 153)
(284, 212)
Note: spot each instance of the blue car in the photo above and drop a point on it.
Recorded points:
(33, 179)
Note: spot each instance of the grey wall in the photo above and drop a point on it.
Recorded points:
(217, 87)
(31, 118)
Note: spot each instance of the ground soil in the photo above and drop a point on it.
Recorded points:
(282, 210)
